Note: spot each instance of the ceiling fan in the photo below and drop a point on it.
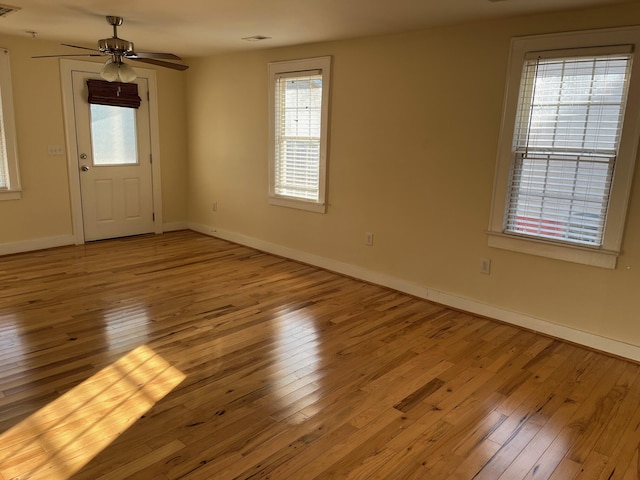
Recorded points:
(118, 49)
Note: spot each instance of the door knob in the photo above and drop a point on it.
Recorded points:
(84, 168)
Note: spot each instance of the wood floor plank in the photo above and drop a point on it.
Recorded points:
(290, 371)
(566, 470)
(142, 462)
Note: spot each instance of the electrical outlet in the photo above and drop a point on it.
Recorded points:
(485, 266)
(214, 206)
(368, 239)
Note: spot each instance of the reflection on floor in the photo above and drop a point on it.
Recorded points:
(291, 372)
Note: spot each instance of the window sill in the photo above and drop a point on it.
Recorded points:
(299, 204)
(10, 195)
(569, 253)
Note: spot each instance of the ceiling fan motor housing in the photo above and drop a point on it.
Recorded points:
(115, 46)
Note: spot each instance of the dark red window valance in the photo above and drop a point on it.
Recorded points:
(116, 94)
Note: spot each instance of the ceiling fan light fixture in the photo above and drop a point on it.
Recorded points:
(109, 71)
(126, 73)
(113, 70)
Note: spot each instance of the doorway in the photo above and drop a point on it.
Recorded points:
(114, 172)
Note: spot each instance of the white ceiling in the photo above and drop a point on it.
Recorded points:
(202, 27)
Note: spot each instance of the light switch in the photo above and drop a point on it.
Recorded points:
(56, 150)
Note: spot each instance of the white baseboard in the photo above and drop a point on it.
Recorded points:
(174, 226)
(546, 327)
(36, 244)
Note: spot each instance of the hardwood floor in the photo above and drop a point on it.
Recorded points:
(182, 356)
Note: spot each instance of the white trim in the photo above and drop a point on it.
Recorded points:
(66, 70)
(10, 194)
(297, 203)
(154, 134)
(597, 342)
(9, 123)
(316, 65)
(626, 158)
(36, 244)
(562, 332)
(531, 246)
(67, 67)
(174, 226)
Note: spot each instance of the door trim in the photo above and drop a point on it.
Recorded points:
(66, 68)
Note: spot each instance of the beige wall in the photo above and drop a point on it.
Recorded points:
(414, 125)
(44, 211)
(413, 138)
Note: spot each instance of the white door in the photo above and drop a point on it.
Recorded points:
(114, 164)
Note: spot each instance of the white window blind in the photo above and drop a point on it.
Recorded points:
(298, 115)
(566, 139)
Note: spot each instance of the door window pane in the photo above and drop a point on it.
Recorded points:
(113, 135)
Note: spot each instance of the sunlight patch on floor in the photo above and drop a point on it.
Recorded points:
(62, 437)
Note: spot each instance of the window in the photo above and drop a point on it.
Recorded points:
(568, 146)
(298, 111)
(113, 135)
(9, 179)
(113, 122)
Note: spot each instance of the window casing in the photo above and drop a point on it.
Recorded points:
(298, 118)
(9, 175)
(567, 146)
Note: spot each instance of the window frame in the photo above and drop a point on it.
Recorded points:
(295, 67)
(14, 189)
(606, 254)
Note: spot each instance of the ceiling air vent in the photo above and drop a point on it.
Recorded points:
(7, 9)
(256, 38)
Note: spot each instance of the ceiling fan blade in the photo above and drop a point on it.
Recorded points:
(69, 55)
(161, 63)
(77, 46)
(165, 56)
